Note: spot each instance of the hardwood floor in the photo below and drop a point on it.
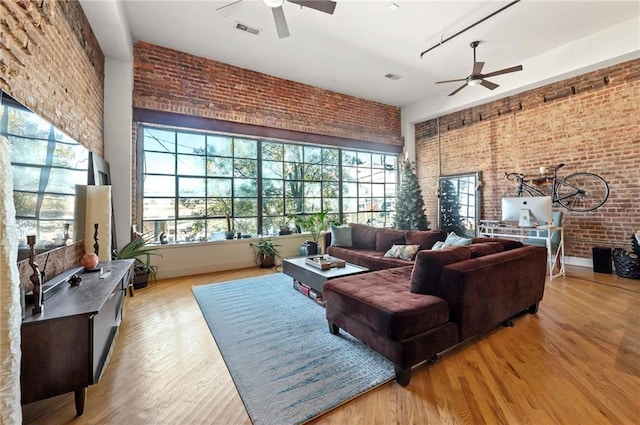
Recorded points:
(577, 361)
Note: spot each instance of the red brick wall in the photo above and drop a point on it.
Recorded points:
(590, 123)
(172, 81)
(50, 60)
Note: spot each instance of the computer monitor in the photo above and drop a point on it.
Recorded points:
(528, 211)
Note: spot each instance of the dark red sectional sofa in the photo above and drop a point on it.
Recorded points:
(369, 244)
(411, 312)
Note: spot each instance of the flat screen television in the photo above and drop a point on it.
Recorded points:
(528, 211)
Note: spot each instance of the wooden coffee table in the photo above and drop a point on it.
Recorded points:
(312, 278)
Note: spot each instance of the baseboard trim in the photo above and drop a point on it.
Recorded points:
(579, 261)
(166, 273)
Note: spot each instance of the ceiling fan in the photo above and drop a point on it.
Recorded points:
(326, 6)
(477, 78)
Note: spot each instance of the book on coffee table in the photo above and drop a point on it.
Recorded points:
(325, 262)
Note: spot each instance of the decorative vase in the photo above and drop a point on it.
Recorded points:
(309, 248)
(228, 235)
(140, 278)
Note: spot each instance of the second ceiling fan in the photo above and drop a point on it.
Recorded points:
(326, 6)
(477, 78)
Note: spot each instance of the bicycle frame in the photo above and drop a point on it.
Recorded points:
(568, 191)
(523, 185)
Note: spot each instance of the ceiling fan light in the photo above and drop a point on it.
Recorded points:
(475, 82)
(273, 3)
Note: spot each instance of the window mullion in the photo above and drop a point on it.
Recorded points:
(260, 199)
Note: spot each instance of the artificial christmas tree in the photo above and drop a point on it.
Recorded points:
(451, 221)
(409, 203)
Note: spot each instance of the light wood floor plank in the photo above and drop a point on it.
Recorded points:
(575, 362)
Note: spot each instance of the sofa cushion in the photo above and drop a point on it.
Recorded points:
(386, 238)
(424, 238)
(369, 258)
(508, 244)
(341, 236)
(404, 252)
(485, 248)
(429, 264)
(363, 236)
(382, 301)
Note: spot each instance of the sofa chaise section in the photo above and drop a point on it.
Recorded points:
(410, 314)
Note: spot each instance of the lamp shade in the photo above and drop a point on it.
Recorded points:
(273, 3)
(95, 202)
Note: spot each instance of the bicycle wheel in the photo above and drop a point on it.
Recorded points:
(582, 192)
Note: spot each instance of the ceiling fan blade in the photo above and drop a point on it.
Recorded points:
(326, 6)
(451, 81)
(230, 8)
(503, 71)
(477, 67)
(458, 89)
(281, 22)
(489, 84)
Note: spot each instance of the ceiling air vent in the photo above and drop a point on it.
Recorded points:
(393, 76)
(247, 28)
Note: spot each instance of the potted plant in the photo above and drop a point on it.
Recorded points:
(139, 250)
(229, 233)
(314, 223)
(265, 252)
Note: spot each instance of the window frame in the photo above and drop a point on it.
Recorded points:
(263, 222)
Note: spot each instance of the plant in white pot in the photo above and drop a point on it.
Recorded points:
(139, 250)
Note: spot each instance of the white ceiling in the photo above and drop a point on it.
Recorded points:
(351, 50)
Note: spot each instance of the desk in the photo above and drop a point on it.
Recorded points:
(521, 233)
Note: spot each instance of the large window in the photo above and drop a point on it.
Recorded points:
(46, 166)
(190, 181)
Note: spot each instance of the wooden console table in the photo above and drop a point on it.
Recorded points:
(555, 257)
(66, 348)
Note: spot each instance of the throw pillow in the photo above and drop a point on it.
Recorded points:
(424, 238)
(403, 252)
(341, 236)
(455, 240)
(428, 267)
(386, 238)
(438, 245)
(363, 236)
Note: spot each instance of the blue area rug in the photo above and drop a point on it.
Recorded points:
(285, 364)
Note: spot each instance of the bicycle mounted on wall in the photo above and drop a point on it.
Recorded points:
(580, 192)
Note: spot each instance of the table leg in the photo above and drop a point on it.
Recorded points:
(80, 396)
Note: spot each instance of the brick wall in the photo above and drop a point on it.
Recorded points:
(172, 81)
(50, 60)
(590, 123)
